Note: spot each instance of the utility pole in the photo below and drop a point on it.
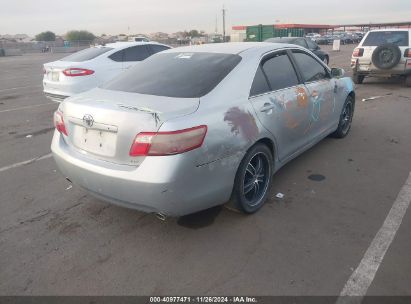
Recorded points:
(223, 24)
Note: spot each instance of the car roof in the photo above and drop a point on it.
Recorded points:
(392, 30)
(229, 47)
(125, 44)
(284, 38)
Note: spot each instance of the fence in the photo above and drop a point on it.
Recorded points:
(11, 47)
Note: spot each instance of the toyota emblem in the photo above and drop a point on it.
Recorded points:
(88, 120)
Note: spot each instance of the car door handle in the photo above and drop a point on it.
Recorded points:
(267, 107)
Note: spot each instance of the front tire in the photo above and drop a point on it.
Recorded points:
(326, 60)
(253, 180)
(347, 113)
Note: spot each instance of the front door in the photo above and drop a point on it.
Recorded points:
(321, 90)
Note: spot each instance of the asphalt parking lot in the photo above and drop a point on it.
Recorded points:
(55, 239)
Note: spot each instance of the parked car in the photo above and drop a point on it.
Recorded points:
(139, 39)
(324, 40)
(305, 43)
(194, 127)
(383, 53)
(93, 66)
(312, 36)
(344, 38)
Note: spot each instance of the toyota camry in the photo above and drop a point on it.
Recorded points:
(195, 127)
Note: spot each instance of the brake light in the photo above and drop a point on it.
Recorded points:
(407, 53)
(59, 122)
(358, 52)
(168, 143)
(77, 72)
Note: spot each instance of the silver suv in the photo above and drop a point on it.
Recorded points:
(383, 53)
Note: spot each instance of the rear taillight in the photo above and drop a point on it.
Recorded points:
(77, 72)
(407, 53)
(168, 143)
(59, 122)
(358, 52)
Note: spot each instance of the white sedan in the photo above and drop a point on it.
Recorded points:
(91, 67)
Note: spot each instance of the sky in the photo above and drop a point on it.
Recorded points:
(147, 16)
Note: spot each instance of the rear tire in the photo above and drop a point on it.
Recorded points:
(347, 113)
(253, 180)
(358, 78)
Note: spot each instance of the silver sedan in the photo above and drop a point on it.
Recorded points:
(195, 127)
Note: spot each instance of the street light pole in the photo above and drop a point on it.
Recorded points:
(223, 24)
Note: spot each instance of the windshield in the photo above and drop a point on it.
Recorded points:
(185, 75)
(86, 54)
(399, 38)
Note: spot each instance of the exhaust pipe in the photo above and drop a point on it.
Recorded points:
(161, 216)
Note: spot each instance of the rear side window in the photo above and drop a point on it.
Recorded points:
(155, 48)
(117, 56)
(184, 75)
(260, 84)
(399, 38)
(87, 54)
(136, 53)
(311, 69)
(300, 42)
(311, 45)
(280, 72)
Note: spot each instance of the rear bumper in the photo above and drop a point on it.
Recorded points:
(369, 69)
(55, 97)
(172, 185)
(59, 90)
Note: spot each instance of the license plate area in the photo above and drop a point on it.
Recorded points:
(364, 68)
(95, 141)
(53, 75)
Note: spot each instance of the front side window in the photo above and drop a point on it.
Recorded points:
(183, 75)
(399, 38)
(311, 70)
(280, 72)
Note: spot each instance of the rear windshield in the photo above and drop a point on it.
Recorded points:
(86, 54)
(184, 75)
(399, 38)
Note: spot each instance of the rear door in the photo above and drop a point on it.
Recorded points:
(321, 88)
(281, 103)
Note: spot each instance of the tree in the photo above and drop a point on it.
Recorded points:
(46, 36)
(79, 36)
(193, 33)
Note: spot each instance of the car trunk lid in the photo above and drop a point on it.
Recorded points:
(103, 123)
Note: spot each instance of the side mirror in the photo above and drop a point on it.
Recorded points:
(337, 72)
